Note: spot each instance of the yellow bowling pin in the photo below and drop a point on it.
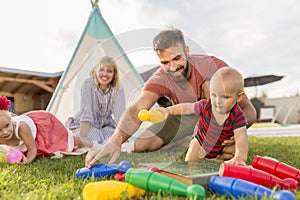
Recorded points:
(154, 116)
(111, 189)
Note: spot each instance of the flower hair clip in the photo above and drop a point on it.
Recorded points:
(4, 103)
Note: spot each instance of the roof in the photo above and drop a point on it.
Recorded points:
(147, 74)
(24, 81)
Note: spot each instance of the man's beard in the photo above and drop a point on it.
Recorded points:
(180, 78)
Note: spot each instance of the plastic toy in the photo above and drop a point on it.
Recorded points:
(106, 190)
(152, 169)
(256, 176)
(120, 176)
(14, 156)
(155, 182)
(102, 170)
(154, 116)
(238, 188)
(276, 168)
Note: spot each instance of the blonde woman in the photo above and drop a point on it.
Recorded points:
(102, 103)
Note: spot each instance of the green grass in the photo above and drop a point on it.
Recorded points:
(50, 179)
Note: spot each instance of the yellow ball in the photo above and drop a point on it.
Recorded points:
(144, 115)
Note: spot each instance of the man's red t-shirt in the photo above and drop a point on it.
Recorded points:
(202, 68)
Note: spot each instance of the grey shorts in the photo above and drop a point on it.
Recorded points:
(175, 128)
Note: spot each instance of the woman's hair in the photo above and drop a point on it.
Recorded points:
(104, 62)
(168, 38)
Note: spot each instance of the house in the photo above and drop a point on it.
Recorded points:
(287, 109)
(31, 90)
(27, 90)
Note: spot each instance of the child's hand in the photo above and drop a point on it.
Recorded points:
(165, 111)
(24, 160)
(236, 161)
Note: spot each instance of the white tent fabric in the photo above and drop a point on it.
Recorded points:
(96, 41)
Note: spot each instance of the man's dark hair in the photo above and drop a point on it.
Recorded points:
(168, 38)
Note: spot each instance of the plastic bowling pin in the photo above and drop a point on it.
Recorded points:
(276, 168)
(107, 190)
(154, 116)
(256, 176)
(101, 170)
(155, 182)
(119, 176)
(238, 188)
(152, 169)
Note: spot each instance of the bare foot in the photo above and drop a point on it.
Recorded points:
(81, 142)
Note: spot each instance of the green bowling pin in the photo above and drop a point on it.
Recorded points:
(154, 182)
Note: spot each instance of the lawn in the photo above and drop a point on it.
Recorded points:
(50, 179)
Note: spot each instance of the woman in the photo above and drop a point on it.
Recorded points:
(102, 103)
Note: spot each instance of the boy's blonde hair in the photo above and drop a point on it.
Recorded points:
(104, 62)
(232, 76)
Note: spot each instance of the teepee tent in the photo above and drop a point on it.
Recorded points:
(96, 41)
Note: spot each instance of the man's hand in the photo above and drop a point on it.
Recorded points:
(229, 149)
(108, 149)
(229, 142)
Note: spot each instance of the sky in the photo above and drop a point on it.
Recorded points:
(255, 37)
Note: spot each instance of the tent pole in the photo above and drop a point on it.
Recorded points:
(96, 1)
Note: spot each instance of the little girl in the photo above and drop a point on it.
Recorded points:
(35, 133)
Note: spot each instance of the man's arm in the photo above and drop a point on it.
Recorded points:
(248, 109)
(127, 126)
(129, 122)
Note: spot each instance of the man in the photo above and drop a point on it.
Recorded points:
(182, 78)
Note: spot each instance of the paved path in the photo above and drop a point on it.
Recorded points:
(280, 131)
